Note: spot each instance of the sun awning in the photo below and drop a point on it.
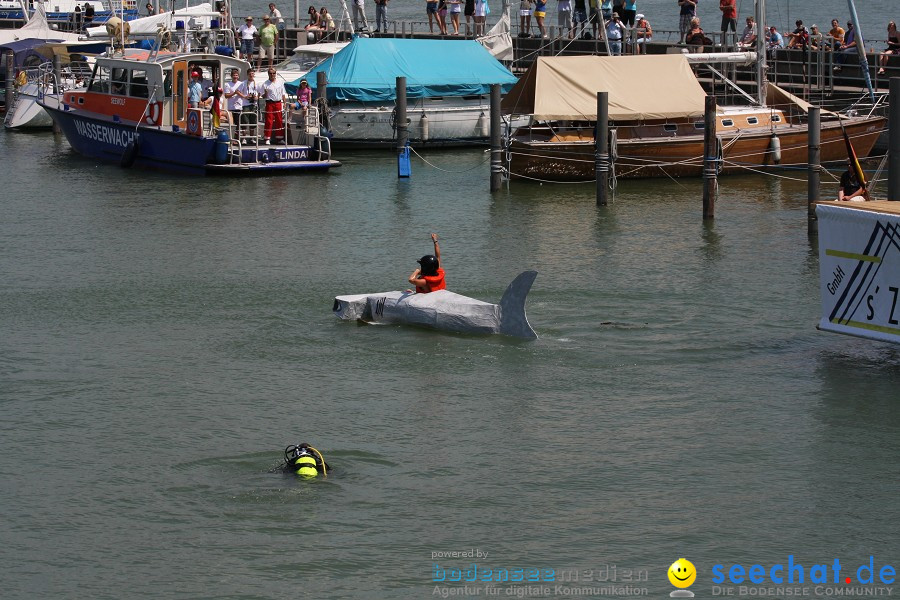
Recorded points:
(642, 87)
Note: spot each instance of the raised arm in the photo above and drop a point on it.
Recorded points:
(437, 249)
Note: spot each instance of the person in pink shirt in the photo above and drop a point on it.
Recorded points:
(304, 98)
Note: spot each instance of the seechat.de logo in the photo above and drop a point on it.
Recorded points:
(796, 573)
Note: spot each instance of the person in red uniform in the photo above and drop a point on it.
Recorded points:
(430, 276)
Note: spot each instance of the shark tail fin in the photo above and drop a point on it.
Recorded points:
(513, 320)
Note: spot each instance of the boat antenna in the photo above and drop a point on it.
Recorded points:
(25, 16)
(861, 49)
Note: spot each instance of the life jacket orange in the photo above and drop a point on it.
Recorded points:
(434, 283)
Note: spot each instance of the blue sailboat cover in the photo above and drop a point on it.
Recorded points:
(367, 70)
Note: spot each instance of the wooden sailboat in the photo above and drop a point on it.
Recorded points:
(656, 109)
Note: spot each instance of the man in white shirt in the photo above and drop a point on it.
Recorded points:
(273, 93)
(615, 31)
(233, 97)
(748, 37)
(275, 15)
(249, 93)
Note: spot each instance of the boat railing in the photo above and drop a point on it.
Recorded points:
(191, 40)
(73, 75)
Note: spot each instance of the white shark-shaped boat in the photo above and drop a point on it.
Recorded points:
(444, 310)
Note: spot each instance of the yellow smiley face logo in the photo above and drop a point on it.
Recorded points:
(682, 573)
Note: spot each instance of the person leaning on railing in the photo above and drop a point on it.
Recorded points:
(748, 37)
(643, 31)
(815, 38)
(893, 48)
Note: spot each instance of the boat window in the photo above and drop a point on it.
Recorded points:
(180, 85)
(139, 84)
(752, 120)
(727, 123)
(670, 127)
(167, 84)
(100, 80)
(699, 125)
(119, 81)
(776, 118)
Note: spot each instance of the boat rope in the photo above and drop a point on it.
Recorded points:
(613, 155)
(324, 114)
(430, 164)
(151, 98)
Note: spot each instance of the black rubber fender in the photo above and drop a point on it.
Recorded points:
(131, 153)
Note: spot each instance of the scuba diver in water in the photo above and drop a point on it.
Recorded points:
(430, 276)
(305, 461)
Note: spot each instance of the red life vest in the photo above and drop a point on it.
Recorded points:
(433, 282)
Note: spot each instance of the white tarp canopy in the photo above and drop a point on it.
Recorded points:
(498, 41)
(36, 28)
(859, 267)
(643, 87)
(200, 14)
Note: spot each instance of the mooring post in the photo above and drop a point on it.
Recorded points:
(710, 160)
(10, 80)
(601, 148)
(813, 170)
(57, 85)
(403, 167)
(496, 145)
(894, 143)
(322, 86)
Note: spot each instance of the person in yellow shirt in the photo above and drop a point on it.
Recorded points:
(837, 34)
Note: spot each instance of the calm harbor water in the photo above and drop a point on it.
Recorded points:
(164, 338)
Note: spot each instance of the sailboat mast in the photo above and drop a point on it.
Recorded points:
(761, 78)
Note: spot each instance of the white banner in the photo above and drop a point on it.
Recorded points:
(859, 269)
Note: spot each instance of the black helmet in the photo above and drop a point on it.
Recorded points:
(429, 264)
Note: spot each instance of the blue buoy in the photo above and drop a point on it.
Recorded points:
(403, 166)
(222, 140)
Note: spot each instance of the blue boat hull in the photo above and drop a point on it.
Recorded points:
(173, 150)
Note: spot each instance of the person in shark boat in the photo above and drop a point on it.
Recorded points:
(430, 276)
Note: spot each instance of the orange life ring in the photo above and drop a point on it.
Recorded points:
(154, 111)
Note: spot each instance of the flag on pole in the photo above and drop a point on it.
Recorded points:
(854, 163)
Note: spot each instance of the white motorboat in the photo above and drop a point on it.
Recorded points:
(446, 106)
(305, 58)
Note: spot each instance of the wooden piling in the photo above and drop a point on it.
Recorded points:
(710, 160)
(813, 170)
(402, 128)
(322, 86)
(601, 148)
(496, 143)
(57, 85)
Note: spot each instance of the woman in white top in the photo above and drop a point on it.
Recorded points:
(455, 10)
(481, 11)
